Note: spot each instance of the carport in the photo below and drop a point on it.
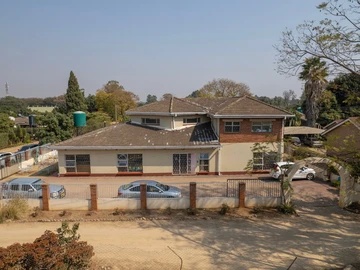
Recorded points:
(302, 130)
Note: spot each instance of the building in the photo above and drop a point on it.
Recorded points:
(343, 139)
(180, 136)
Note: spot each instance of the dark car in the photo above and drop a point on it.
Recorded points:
(27, 147)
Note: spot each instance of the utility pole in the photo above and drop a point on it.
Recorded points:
(6, 89)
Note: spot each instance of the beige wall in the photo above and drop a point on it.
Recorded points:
(154, 161)
(165, 121)
(235, 156)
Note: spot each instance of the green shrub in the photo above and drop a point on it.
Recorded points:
(303, 152)
(335, 184)
(224, 209)
(15, 208)
(287, 208)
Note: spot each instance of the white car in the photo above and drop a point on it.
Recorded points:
(280, 168)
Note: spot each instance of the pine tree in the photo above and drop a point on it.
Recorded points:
(74, 97)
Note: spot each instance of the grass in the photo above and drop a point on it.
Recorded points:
(14, 209)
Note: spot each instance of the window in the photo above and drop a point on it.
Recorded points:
(129, 163)
(204, 162)
(261, 127)
(135, 189)
(191, 120)
(25, 187)
(150, 121)
(152, 189)
(232, 127)
(77, 163)
(264, 161)
(14, 187)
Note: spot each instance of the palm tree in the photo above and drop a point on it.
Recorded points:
(314, 73)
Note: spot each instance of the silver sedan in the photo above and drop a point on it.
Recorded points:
(154, 189)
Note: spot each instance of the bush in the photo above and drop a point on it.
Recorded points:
(303, 152)
(14, 209)
(287, 208)
(224, 209)
(50, 251)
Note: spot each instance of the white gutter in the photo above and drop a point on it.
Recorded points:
(250, 116)
(132, 147)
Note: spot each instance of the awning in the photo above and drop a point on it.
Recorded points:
(302, 130)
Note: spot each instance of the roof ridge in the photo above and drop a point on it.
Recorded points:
(255, 99)
(234, 101)
(171, 104)
(193, 103)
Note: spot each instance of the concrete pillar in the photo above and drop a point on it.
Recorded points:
(41, 150)
(193, 195)
(45, 197)
(143, 203)
(7, 162)
(27, 155)
(241, 195)
(94, 197)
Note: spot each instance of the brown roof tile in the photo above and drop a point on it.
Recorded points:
(125, 135)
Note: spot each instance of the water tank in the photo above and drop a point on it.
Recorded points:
(32, 120)
(79, 119)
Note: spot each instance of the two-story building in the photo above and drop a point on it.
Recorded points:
(181, 136)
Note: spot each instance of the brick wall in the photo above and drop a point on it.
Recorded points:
(246, 135)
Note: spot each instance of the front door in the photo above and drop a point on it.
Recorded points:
(181, 163)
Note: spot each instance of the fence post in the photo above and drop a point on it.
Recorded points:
(40, 150)
(45, 197)
(94, 197)
(143, 203)
(242, 195)
(26, 155)
(193, 195)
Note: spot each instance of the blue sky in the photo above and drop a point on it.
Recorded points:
(150, 47)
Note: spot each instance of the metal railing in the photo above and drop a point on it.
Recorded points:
(254, 187)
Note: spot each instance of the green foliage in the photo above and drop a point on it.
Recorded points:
(115, 101)
(95, 121)
(224, 88)
(303, 152)
(4, 140)
(224, 209)
(75, 100)
(14, 209)
(50, 251)
(194, 94)
(287, 208)
(329, 108)
(151, 99)
(13, 106)
(91, 103)
(54, 127)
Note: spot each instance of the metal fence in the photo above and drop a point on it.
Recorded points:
(39, 158)
(254, 187)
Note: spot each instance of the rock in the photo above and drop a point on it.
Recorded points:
(349, 267)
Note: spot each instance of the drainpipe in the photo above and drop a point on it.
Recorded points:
(218, 162)
(282, 138)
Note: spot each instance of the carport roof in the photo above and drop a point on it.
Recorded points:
(302, 130)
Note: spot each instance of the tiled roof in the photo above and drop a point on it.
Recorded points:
(216, 106)
(133, 135)
(354, 120)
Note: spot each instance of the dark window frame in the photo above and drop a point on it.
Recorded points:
(232, 127)
(150, 121)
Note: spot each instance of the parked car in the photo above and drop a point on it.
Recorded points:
(279, 168)
(295, 140)
(154, 189)
(313, 142)
(3, 156)
(27, 147)
(30, 188)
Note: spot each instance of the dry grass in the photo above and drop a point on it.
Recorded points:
(14, 209)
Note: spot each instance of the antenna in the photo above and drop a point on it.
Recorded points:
(6, 89)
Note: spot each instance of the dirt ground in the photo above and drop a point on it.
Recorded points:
(323, 236)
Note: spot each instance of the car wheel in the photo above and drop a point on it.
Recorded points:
(310, 176)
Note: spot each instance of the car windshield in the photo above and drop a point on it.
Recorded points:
(37, 184)
(162, 187)
(127, 186)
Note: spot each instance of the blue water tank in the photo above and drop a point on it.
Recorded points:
(32, 120)
(79, 119)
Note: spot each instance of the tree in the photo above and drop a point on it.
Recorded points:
(74, 97)
(329, 108)
(335, 39)
(13, 106)
(314, 73)
(54, 127)
(194, 94)
(91, 103)
(115, 101)
(167, 96)
(151, 99)
(224, 88)
(95, 121)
